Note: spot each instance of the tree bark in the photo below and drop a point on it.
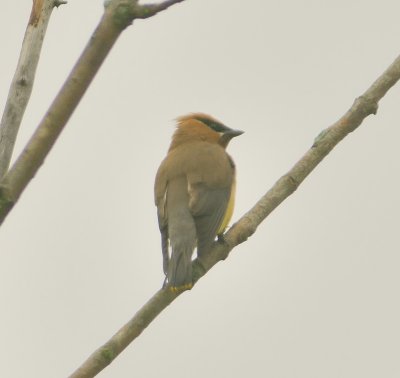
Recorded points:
(22, 83)
(118, 15)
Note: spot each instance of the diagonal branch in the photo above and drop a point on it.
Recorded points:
(363, 106)
(103, 356)
(22, 83)
(117, 16)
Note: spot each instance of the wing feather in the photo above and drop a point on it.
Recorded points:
(208, 212)
(160, 194)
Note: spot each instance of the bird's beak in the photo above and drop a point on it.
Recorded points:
(233, 133)
(228, 135)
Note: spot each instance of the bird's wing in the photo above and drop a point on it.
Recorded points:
(208, 207)
(160, 196)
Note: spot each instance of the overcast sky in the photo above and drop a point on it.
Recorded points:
(313, 293)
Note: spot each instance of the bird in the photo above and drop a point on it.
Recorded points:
(194, 192)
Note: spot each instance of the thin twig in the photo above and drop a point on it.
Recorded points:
(57, 3)
(22, 83)
(117, 16)
(363, 106)
(148, 10)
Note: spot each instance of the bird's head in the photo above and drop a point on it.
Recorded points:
(200, 126)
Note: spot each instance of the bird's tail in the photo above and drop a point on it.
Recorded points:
(182, 236)
(179, 273)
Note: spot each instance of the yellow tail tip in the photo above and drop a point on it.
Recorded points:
(179, 289)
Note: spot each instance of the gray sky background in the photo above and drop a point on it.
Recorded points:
(314, 293)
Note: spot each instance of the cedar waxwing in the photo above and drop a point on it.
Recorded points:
(194, 193)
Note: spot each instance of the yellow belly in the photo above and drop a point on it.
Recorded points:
(229, 210)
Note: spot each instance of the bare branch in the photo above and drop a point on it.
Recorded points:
(149, 10)
(103, 356)
(22, 83)
(363, 106)
(57, 3)
(117, 16)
